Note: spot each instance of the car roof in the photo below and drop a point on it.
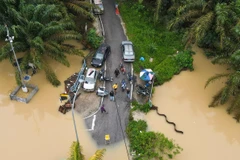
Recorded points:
(90, 72)
(128, 49)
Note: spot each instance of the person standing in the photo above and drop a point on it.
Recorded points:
(111, 95)
(115, 87)
(128, 93)
(103, 109)
(116, 72)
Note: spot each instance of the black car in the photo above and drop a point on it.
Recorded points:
(101, 55)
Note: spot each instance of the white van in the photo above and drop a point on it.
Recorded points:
(99, 7)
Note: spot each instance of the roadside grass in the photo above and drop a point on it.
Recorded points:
(150, 41)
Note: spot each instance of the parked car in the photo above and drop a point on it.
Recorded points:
(101, 55)
(98, 9)
(128, 51)
(90, 80)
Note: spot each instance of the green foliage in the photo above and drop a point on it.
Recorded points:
(98, 155)
(50, 75)
(93, 39)
(165, 70)
(149, 145)
(17, 77)
(46, 27)
(144, 108)
(75, 152)
(185, 60)
(150, 41)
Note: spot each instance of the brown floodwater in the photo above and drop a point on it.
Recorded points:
(38, 131)
(209, 133)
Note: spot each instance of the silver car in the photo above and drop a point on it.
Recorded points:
(90, 80)
(127, 51)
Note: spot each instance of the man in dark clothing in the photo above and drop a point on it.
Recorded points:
(103, 109)
(111, 95)
(116, 72)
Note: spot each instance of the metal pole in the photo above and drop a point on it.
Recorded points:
(73, 103)
(10, 39)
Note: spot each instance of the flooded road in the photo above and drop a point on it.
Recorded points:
(38, 131)
(209, 133)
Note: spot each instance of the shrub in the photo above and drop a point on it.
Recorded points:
(93, 39)
(165, 70)
(149, 145)
(185, 60)
(144, 108)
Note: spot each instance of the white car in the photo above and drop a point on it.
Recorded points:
(127, 51)
(90, 80)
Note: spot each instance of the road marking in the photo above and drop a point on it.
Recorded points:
(93, 123)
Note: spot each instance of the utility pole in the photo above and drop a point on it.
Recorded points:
(10, 39)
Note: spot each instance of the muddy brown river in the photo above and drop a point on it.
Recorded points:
(38, 131)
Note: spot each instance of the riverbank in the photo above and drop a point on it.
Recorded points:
(209, 133)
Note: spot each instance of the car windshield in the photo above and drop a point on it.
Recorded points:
(128, 50)
(89, 80)
(99, 56)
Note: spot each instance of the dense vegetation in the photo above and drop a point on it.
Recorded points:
(147, 144)
(154, 42)
(211, 24)
(40, 29)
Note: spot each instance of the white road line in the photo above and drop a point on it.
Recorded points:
(93, 123)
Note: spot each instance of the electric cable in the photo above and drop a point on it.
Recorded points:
(122, 129)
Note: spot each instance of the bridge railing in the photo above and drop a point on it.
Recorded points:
(79, 78)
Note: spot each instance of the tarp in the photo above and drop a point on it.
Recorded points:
(146, 75)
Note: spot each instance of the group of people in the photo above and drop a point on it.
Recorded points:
(115, 87)
(114, 92)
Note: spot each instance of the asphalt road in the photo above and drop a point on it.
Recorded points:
(114, 123)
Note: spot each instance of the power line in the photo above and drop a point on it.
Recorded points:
(122, 130)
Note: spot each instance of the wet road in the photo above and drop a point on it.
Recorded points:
(113, 123)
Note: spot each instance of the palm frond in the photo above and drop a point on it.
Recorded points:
(54, 51)
(98, 155)
(184, 18)
(226, 93)
(216, 99)
(76, 152)
(66, 35)
(235, 105)
(221, 60)
(79, 10)
(38, 43)
(216, 77)
(72, 51)
(202, 25)
(50, 74)
(5, 52)
(51, 30)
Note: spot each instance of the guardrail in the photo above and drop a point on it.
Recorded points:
(79, 78)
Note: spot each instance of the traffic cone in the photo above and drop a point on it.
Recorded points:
(117, 11)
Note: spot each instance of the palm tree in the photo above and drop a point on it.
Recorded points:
(42, 32)
(98, 155)
(8, 13)
(231, 91)
(209, 23)
(75, 7)
(76, 153)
